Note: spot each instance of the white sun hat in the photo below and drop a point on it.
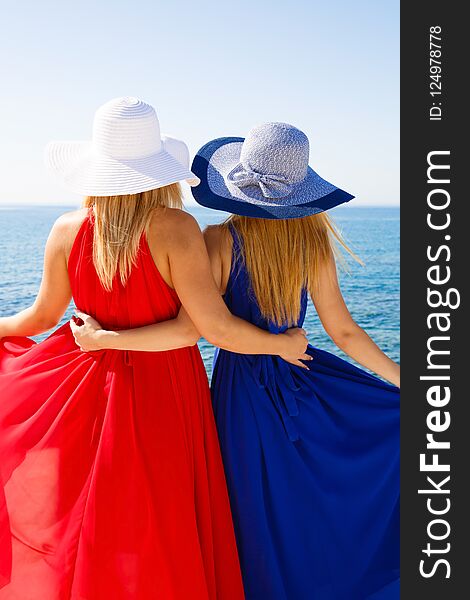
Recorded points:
(127, 154)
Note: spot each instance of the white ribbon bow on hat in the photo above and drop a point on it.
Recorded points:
(271, 186)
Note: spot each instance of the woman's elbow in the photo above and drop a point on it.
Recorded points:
(217, 333)
(342, 337)
(187, 333)
(191, 337)
(214, 338)
(44, 321)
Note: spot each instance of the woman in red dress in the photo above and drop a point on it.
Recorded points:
(112, 481)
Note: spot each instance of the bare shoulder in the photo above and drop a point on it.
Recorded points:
(173, 226)
(66, 227)
(71, 219)
(218, 240)
(213, 234)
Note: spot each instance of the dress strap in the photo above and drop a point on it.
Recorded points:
(237, 242)
(237, 246)
(236, 267)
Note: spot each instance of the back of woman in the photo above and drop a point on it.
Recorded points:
(144, 297)
(113, 484)
(310, 447)
(311, 454)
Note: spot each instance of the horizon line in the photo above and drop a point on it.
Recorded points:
(190, 204)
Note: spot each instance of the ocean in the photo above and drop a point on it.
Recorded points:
(372, 292)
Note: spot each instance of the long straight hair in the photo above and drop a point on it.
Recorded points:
(120, 222)
(284, 256)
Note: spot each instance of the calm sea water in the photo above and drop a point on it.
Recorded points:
(371, 292)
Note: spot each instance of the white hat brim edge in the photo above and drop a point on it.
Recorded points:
(87, 172)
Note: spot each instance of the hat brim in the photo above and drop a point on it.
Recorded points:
(218, 158)
(88, 172)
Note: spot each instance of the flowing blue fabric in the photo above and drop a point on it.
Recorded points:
(312, 466)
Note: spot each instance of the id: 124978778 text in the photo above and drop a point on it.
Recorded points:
(435, 72)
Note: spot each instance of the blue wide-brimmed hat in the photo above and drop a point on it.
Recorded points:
(266, 175)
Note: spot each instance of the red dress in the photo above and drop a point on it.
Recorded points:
(110, 464)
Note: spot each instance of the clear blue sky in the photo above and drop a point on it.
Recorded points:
(211, 68)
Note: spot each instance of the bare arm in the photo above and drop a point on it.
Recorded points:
(198, 292)
(166, 335)
(345, 332)
(193, 281)
(54, 294)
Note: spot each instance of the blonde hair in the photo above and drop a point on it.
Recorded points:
(283, 256)
(120, 222)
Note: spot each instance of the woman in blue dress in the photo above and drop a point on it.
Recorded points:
(311, 448)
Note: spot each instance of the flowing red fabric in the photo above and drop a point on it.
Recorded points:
(113, 485)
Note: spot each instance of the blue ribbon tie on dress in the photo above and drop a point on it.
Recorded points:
(276, 376)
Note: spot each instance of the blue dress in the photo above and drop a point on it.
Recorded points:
(312, 466)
